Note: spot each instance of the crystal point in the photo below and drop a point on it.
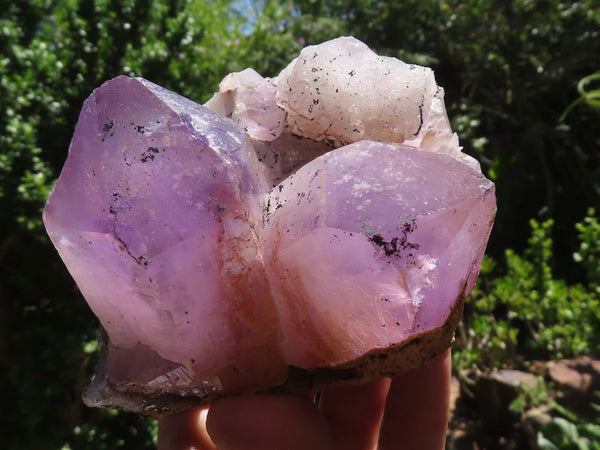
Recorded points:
(275, 250)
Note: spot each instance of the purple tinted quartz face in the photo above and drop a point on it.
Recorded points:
(370, 244)
(223, 260)
(152, 215)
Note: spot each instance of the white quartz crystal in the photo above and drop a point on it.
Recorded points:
(341, 92)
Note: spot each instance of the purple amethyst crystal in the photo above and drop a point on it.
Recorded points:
(266, 252)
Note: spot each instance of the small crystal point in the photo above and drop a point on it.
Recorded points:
(275, 251)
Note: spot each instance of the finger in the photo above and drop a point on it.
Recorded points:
(185, 431)
(416, 413)
(267, 422)
(354, 414)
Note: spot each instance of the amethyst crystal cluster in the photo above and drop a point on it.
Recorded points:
(318, 227)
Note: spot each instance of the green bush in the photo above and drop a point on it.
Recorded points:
(561, 434)
(588, 254)
(525, 313)
(568, 430)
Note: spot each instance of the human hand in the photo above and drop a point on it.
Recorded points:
(406, 412)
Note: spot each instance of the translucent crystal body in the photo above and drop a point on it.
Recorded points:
(230, 255)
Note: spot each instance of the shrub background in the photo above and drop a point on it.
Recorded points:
(510, 70)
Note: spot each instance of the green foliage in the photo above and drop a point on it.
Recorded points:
(531, 396)
(570, 431)
(588, 254)
(526, 312)
(560, 434)
(566, 429)
(591, 98)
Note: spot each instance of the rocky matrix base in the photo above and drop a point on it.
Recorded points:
(317, 228)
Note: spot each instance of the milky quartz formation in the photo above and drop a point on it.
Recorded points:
(319, 227)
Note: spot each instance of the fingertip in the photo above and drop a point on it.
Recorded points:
(354, 413)
(416, 414)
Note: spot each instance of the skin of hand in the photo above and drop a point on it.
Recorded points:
(406, 412)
